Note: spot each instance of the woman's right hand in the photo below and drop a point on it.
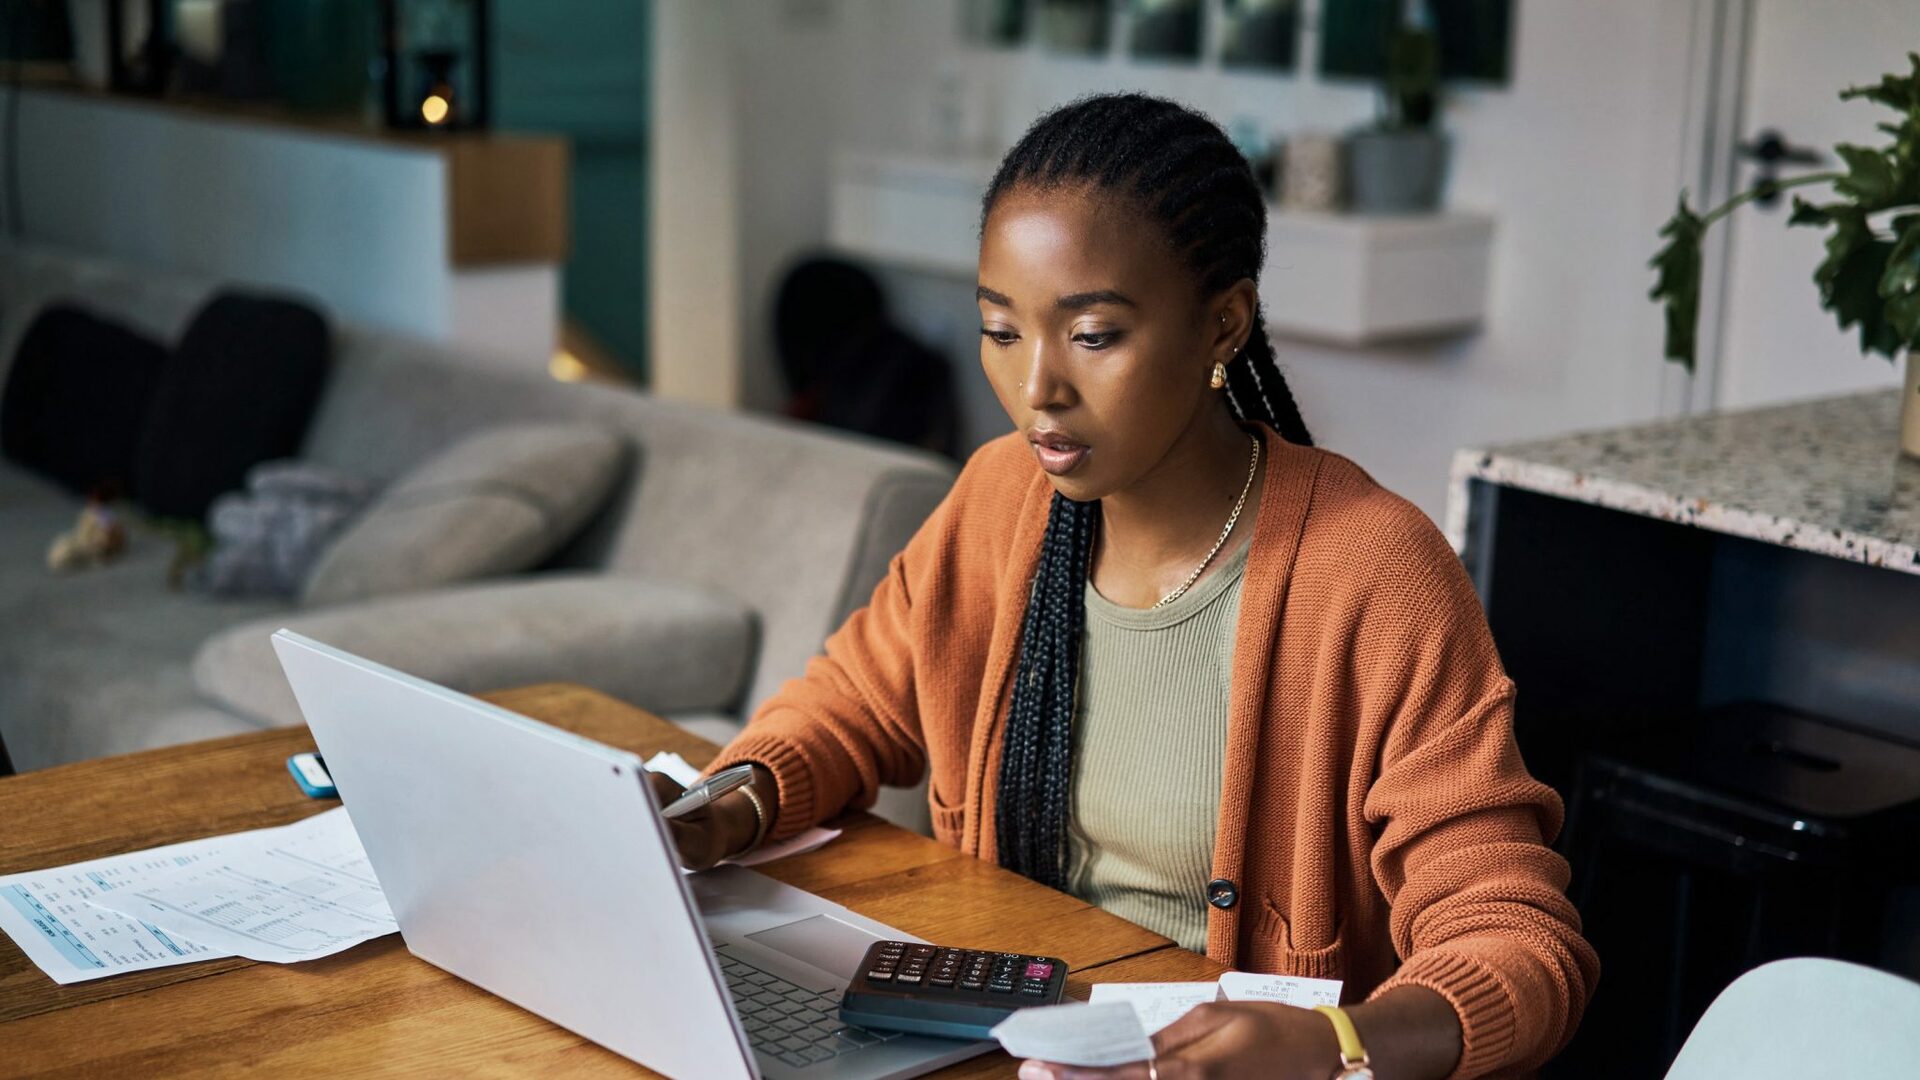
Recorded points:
(720, 830)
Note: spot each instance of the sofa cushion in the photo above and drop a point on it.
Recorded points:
(497, 502)
(76, 397)
(91, 662)
(663, 646)
(239, 389)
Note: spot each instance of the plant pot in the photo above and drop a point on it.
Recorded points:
(1910, 407)
(1396, 172)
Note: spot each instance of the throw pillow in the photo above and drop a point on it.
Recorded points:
(75, 399)
(267, 538)
(238, 390)
(497, 502)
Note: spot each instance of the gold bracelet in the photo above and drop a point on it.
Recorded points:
(760, 822)
(1353, 1057)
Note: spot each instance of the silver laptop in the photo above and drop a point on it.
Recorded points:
(534, 864)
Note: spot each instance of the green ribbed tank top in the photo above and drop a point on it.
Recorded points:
(1149, 744)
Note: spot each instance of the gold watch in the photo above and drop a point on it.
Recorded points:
(1354, 1063)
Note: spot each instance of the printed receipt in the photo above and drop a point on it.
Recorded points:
(302, 892)
(1105, 1034)
(1286, 989)
(1158, 1004)
(1117, 1025)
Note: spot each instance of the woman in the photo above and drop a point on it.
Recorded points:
(1156, 650)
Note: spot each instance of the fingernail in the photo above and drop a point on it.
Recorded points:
(1033, 1070)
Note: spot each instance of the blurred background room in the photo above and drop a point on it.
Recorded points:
(513, 340)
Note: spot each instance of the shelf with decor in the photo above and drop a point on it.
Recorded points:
(1345, 279)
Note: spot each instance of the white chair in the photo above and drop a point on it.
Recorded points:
(1806, 1019)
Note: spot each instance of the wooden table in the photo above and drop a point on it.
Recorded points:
(374, 1009)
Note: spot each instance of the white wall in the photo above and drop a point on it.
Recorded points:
(694, 220)
(1578, 158)
(359, 225)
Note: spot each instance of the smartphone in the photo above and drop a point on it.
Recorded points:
(310, 772)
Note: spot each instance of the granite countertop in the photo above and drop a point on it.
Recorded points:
(1822, 476)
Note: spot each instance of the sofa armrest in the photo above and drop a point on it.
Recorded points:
(663, 646)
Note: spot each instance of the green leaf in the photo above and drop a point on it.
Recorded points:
(1900, 282)
(1678, 281)
(1901, 92)
(1849, 281)
(1903, 322)
(1870, 176)
(1902, 275)
(1806, 213)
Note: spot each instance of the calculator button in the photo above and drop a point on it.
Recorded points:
(879, 976)
(1039, 971)
(971, 984)
(906, 977)
(1001, 987)
(1038, 990)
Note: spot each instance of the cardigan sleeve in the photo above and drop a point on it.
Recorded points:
(850, 724)
(1479, 911)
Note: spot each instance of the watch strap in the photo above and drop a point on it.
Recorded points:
(1352, 1054)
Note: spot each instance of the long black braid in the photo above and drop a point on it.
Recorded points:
(1182, 173)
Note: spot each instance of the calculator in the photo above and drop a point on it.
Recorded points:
(957, 993)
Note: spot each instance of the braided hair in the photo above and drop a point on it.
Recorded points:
(1180, 172)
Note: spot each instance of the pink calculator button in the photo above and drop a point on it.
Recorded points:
(1039, 971)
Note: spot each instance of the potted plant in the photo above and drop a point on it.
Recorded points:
(1870, 277)
(1399, 165)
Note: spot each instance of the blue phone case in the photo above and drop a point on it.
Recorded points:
(313, 790)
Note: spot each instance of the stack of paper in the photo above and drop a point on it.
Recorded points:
(289, 893)
(304, 892)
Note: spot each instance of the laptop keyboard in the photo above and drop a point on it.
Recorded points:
(790, 1022)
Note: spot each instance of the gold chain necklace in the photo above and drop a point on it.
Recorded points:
(1239, 503)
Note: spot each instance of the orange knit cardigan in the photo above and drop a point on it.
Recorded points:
(1375, 816)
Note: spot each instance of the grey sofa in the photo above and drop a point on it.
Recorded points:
(731, 548)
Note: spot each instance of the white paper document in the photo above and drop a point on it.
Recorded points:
(47, 913)
(681, 772)
(298, 893)
(1105, 1034)
(1158, 1004)
(1286, 989)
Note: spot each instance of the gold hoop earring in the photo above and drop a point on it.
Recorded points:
(1219, 375)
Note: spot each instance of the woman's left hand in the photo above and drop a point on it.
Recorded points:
(1410, 1032)
(1224, 1041)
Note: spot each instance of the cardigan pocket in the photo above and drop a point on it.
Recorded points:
(949, 819)
(1271, 951)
